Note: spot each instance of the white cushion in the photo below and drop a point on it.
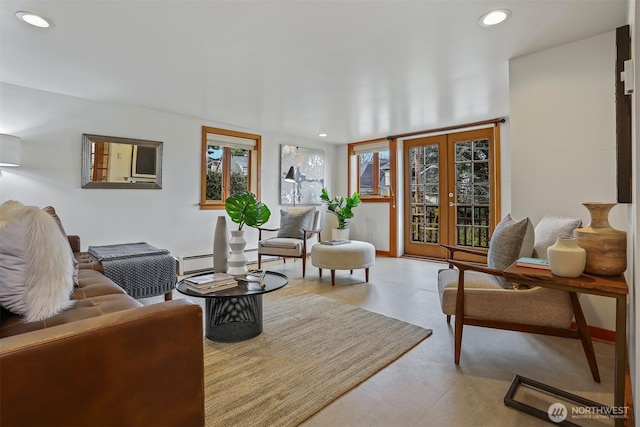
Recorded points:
(284, 243)
(36, 265)
(76, 265)
(350, 256)
(484, 298)
(549, 229)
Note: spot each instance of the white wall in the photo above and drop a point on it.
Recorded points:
(563, 146)
(51, 128)
(371, 224)
(633, 273)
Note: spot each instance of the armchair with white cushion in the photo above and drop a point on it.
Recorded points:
(298, 231)
(478, 295)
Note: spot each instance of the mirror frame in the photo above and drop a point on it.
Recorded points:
(88, 139)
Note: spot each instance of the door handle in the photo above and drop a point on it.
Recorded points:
(451, 204)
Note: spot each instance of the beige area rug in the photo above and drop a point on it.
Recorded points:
(312, 350)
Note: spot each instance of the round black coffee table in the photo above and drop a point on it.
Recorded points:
(235, 314)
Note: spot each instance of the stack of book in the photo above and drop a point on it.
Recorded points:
(212, 282)
(528, 262)
(335, 242)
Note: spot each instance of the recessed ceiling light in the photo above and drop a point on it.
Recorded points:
(322, 135)
(494, 17)
(33, 19)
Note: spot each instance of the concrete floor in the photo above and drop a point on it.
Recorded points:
(424, 387)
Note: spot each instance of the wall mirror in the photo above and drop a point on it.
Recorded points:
(112, 162)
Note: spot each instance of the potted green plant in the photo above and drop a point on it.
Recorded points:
(342, 208)
(243, 209)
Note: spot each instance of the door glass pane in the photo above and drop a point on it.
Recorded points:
(472, 193)
(424, 194)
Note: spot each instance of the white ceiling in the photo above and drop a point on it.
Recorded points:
(356, 70)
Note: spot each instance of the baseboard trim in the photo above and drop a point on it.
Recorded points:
(599, 334)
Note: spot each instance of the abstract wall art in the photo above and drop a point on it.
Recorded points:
(308, 175)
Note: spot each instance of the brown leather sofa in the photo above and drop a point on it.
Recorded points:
(106, 361)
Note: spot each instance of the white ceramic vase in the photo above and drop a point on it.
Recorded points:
(337, 234)
(566, 258)
(220, 246)
(237, 259)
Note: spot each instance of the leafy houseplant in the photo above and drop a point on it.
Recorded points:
(341, 207)
(244, 208)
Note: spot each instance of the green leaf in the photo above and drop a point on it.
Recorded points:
(244, 208)
(340, 206)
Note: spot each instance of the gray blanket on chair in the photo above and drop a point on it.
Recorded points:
(140, 269)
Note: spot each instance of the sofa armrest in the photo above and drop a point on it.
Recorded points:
(142, 366)
(74, 241)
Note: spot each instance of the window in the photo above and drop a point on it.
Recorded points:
(230, 162)
(373, 163)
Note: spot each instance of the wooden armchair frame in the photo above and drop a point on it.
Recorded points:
(582, 332)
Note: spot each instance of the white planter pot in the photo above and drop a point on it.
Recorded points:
(566, 258)
(340, 234)
(237, 260)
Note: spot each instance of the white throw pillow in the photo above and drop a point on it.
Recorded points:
(549, 229)
(76, 264)
(36, 266)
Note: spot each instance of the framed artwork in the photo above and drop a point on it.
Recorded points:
(305, 168)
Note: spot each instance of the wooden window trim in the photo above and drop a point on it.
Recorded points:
(393, 209)
(369, 198)
(253, 172)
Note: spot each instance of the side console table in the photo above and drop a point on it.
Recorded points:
(607, 286)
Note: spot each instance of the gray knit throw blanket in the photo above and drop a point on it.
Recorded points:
(140, 269)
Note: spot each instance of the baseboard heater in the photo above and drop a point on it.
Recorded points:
(192, 264)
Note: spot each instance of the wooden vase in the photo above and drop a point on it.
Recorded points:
(606, 247)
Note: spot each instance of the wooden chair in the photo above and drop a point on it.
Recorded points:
(477, 296)
(298, 228)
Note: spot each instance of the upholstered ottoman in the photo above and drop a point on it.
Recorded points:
(349, 256)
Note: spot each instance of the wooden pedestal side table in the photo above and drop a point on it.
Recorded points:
(607, 286)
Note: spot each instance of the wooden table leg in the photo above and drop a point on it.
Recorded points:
(621, 355)
(320, 272)
(333, 277)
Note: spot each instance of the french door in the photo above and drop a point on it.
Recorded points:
(451, 191)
